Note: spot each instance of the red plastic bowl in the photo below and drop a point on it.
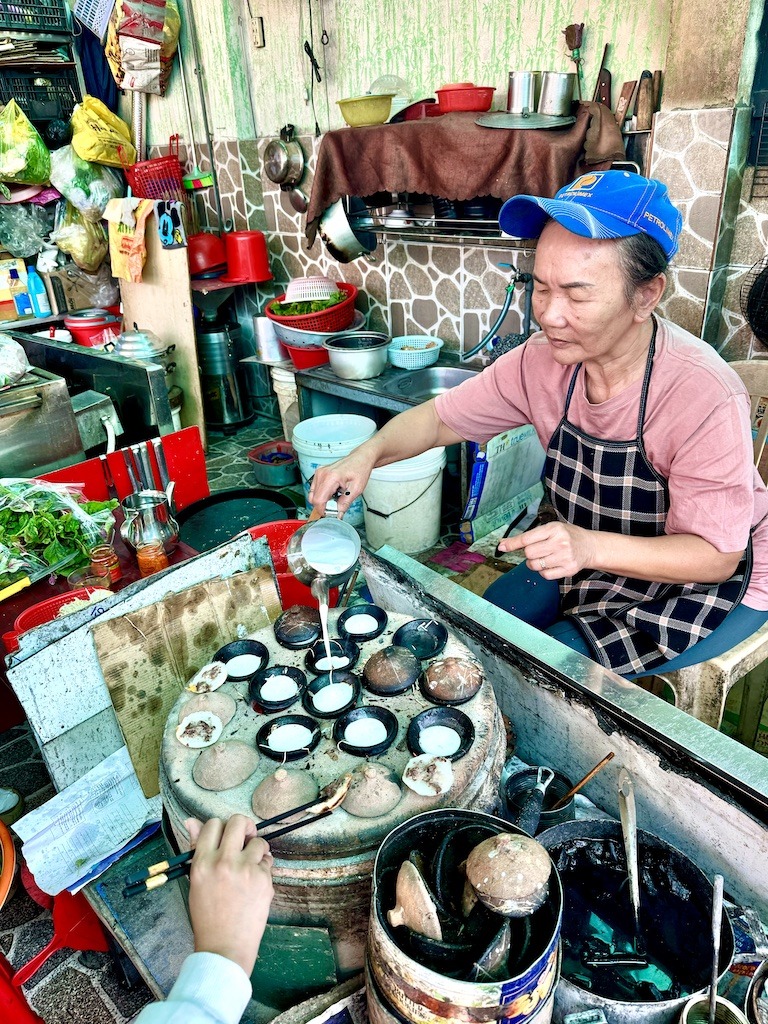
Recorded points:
(477, 98)
(306, 356)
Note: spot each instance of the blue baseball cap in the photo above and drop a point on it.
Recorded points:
(601, 204)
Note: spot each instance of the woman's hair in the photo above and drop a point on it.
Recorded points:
(641, 258)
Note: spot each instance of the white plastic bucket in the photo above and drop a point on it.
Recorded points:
(284, 385)
(321, 440)
(402, 503)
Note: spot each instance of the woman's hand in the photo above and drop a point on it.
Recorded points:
(555, 549)
(230, 888)
(347, 478)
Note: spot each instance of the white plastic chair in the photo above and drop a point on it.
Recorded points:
(702, 689)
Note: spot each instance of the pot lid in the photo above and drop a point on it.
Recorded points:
(278, 155)
(500, 119)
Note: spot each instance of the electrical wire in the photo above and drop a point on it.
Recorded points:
(315, 73)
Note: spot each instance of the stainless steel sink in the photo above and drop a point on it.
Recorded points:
(420, 385)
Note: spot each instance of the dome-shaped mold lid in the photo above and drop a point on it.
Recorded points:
(510, 873)
(452, 680)
(283, 791)
(225, 765)
(219, 704)
(374, 791)
(391, 671)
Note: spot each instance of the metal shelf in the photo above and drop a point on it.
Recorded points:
(465, 231)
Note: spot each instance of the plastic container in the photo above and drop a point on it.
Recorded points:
(38, 296)
(464, 97)
(291, 591)
(92, 328)
(19, 294)
(304, 357)
(414, 351)
(359, 111)
(284, 385)
(274, 464)
(402, 503)
(337, 318)
(322, 440)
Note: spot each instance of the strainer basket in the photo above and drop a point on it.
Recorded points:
(414, 351)
(310, 289)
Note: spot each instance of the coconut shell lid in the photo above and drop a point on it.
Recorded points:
(453, 679)
(374, 791)
(414, 907)
(283, 791)
(217, 703)
(225, 765)
(510, 873)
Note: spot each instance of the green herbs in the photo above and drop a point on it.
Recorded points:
(302, 308)
(41, 524)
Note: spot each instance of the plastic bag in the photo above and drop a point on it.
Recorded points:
(13, 361)
(23, 226)
(85, 291)
(48, 522)
(24, 157)
(89, 187)
(101, 136)
(81, 239)
(127, 221)
(122, 46)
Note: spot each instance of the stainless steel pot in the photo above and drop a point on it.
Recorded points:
(284, 160)
(556, 95)
(342, 241)
(357, 355)
(523, 91)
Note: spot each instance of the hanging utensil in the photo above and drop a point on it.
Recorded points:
(284, 160)
(196, 179)
(602, 93)
(717, 923)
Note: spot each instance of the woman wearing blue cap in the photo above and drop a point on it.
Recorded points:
(656, 552)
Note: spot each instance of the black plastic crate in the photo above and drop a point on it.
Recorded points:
(34, 15)
(55, 95)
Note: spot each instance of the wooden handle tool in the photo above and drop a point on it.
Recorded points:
(623, 102)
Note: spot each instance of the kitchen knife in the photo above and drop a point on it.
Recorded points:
(602, 93)
(146, 466)
(624, 100)
(131, 470)
(162, 465)
(35, 577)
(644, 102)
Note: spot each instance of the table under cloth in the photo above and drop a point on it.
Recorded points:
(454, 158)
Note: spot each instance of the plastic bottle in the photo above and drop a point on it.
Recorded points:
(38, 296)
(19, 293)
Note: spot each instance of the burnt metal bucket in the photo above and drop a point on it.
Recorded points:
(402, 988)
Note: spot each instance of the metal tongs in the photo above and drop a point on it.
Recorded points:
(155, 875)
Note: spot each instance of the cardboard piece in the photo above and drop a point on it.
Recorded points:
(148, 656)
(480, 578)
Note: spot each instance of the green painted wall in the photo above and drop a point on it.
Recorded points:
(425, 42)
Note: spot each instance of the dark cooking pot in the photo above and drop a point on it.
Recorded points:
(675, 916)
(343, 241)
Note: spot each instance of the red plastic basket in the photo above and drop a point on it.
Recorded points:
(337, 318)
(40, 613)
(159, 178)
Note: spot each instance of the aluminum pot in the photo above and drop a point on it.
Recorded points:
(677, 919)
(556, 95)
(284, 160)
(342, 241)
(357, 355)
(523, 91)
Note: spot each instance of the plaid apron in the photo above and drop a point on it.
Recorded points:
(610, 485)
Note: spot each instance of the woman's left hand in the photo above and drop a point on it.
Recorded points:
(554, 550)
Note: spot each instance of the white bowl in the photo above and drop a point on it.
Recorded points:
(301, 339)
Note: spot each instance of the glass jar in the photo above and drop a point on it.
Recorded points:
(90, 579)
(104, 555)
(151, 558)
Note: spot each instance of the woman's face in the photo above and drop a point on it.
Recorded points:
(579, 299)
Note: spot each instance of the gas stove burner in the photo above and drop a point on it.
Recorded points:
(288, 737)
(391, 671)
(366, 731)
(362, 622)
(440, 732)
(276, 688)
(425, 638)
(298, 627)
(451, 680)
(344, 655)
(332, 694)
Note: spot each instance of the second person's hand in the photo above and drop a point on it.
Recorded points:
(554, 550)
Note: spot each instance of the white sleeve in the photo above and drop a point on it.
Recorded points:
(210, 989)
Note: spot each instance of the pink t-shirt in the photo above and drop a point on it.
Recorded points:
(697, 432)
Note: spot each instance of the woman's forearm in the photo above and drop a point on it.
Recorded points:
(681, 558)
(410, 433)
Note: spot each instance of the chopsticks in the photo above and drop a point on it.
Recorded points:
(155, 875)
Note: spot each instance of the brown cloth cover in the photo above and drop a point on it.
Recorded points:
(452, 157)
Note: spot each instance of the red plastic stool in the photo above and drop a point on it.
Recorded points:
(14, 1008)
(75, 926)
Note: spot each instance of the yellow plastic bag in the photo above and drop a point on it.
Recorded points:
(100, 136)
(24, 157)
(81, 239)
(127, 220)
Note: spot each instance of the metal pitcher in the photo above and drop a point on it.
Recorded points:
(148, 519)
(326, 548)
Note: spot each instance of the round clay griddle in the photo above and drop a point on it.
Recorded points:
(214, 520)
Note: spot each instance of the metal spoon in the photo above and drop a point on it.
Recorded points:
(717, 920)
(629, 831)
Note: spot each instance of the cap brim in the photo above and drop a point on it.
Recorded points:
(525, 217)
